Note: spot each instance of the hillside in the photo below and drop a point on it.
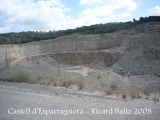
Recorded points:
(122, 62)
(30, 36)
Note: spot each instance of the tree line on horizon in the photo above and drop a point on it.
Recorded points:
(30, 36)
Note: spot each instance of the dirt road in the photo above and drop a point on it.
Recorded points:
(22, 101)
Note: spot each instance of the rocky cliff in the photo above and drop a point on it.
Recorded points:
(79, 49)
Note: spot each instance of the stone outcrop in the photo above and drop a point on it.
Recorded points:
(89, 58)
(87, 49)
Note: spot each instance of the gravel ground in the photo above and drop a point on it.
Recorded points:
(23, 95)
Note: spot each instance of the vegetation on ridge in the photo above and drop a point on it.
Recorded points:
(25, 37)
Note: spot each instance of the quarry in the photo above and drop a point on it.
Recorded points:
(119, 66)
(96, 60)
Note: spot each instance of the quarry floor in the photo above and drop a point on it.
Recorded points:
(16, 99)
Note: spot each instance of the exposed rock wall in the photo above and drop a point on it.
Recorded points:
(90, 58)
(77, 48)
(78, 42)
(73, 42)
(14, 51)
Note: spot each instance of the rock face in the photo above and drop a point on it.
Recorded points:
(15, 51)
(121, 62)
(67, 44)
(78, 49)
(90, 58)
(75, 42)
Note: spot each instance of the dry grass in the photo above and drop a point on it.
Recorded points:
(22, 77)
(66, 83)
(19, 77)
(156, 97)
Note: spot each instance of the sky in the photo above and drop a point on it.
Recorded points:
(45, 15)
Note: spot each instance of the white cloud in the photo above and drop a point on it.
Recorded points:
(115, 10)
(44, 15)
(154, 10)
(5, 29)
(32, 15)
(89, 2)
